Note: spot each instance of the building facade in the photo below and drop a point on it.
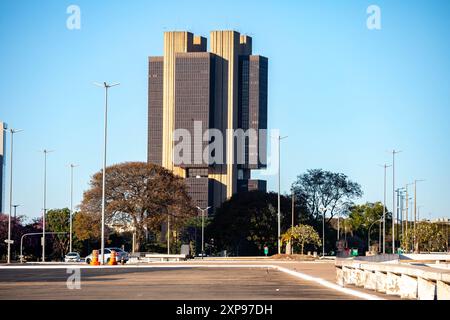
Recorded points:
(207, 113)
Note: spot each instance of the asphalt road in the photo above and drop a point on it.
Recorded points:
(162, 283)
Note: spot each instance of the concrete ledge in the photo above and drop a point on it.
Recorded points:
(340, 277)
(408, 287)
(443, 290)
(360, 278)
(349, 276)
(426, 289)
(392, 284)
(406, 281)
(413, 271)
(381, 281)
(371, 280)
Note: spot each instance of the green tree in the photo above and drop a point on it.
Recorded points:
(365, 217)
(248, 221)
(362, 217)
(302, 234)
(429, 237)
(142, 193)
(57, 220)
(319, 188)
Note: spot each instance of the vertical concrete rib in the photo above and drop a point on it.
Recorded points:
(226, 44)
(174, 41)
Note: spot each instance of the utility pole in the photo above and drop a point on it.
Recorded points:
(279, 192)
(71, 205)
(203, 228)
(394, 152)
(324, 210)
(12, 131)
(399, 211)
(415, 212)
(105, 135)
(15, 220)
(385, 166)
(45, 151)
(407, 211)
(293, 205)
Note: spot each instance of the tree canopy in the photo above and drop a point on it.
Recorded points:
(145, 194)
(319, 188)
(303, 235)
(248, 221)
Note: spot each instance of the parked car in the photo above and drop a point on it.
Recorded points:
(72, 257)
(121, 256)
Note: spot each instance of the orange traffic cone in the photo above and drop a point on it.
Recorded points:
(112, 259)
(95, 261)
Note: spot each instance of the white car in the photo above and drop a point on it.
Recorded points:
(72, 257)
(121, 256)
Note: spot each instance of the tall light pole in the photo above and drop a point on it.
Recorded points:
(293, 209)
(44, 211)
(71, 205)
(12, 131)
(105, 135)
(15, 210)
(324, 210)
(385, 166)
(415, 212)
(279, 192)
(203, 228)
(399, 212)
(15, 218)
(394, 152)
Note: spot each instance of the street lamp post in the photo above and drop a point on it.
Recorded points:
(106, 87)
(71, 206)
(385, 166)
(324, 210)
(15, 220)
(203, 228)
(12, 131)
(279, 192)
(45, 151)
(415, 213)
(394, 152)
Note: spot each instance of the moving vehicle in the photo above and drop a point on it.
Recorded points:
(72, 257)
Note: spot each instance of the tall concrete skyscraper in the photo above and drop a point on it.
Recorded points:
(201, 94)
(3, 128)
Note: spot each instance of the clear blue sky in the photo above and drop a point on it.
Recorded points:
(342, 93)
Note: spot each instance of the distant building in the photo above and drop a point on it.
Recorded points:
(226, 90)
(3, 127)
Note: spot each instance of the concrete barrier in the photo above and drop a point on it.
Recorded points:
(340, 277)
(381, 281)
(408, 287)
(392, 284)
(426, 289)
(407, 281)
(371, 280)
(443, 290)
